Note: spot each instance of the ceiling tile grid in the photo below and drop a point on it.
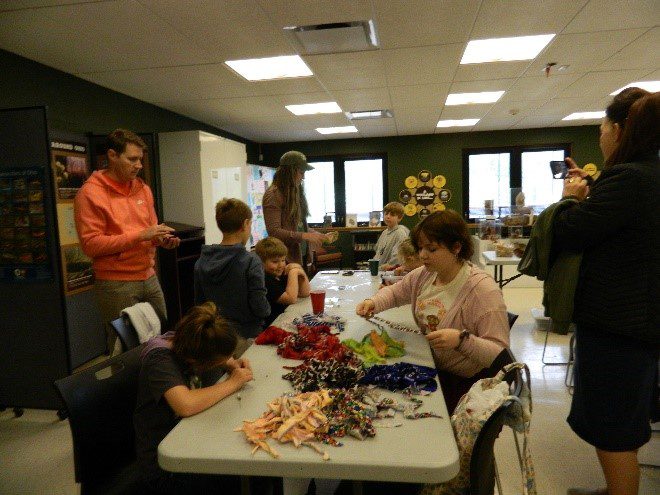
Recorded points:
(171, 53)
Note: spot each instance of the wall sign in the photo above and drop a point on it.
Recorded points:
(424, 194)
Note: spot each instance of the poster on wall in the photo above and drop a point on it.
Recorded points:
(70, 168)
(424, 194)
(76, 269)
(23, 240)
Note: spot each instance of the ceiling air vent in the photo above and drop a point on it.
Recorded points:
(335, 38)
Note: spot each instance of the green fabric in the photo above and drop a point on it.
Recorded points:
(560, 276)
(368, 352)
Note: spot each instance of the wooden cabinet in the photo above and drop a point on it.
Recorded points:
(176, 270)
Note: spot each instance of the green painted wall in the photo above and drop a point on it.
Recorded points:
(79, 106)
(442, 153)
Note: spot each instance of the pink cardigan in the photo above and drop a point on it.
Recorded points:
(478, 308)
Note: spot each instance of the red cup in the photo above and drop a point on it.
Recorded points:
(318, 301)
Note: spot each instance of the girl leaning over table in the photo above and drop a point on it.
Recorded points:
(458, 306)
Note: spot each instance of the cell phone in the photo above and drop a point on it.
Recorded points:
(559, 169)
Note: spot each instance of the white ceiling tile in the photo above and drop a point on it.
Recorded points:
(422, 65)
(355, 100)
(490, 124)
(223, 29)
(355, 70)
(602, 15)
(600, 84)
(583, 52)
(479, 86)
(538, 87)
(431, 96)
(416, 120)
(465, 112)
(96, 36)
(404, 23)
(6, 5)
(376, 127)
(492, 70)
(308, 12)
(641, 53)
(507, 18)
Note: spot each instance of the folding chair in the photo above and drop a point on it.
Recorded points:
(100, 402)
(126, 333)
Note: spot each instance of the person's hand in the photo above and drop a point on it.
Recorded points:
(574, 172)
(290, 267)
(577, 187)
(315, 238)
(233, 363)
(161, 231)
(170, 242)
(240, 376)
(365, 308)
(443, 339)
(399, 270)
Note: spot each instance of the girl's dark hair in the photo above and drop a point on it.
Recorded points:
(293, 194)
(203, 335)
(447, 228)
(617, 111)
(639, 140)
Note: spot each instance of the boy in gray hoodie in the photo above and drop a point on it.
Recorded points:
(230, 276)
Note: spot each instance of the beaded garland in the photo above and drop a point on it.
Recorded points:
(396, 326)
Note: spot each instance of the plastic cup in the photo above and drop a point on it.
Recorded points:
(373, 267)
(318, 301)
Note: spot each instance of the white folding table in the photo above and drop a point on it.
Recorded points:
(498, 263)
(420, 451)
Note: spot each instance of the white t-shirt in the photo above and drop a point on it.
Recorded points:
(434, 301)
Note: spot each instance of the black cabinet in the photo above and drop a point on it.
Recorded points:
(176, 270)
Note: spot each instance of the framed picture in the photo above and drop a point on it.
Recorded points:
(351, 220)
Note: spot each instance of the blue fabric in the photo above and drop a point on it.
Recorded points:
(401, 376)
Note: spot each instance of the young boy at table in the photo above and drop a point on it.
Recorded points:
(230, 276)
(392, 236)
(284, 283)
(178, 379)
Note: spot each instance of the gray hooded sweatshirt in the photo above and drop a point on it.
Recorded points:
(233, 279)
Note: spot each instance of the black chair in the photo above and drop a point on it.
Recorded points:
(126, 333)
(512, 318)
(483, 467)
(100, 402)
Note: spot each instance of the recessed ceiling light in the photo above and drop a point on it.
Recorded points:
(585, 116)
(473, 98)
(313, 108)
(264, 69)
(369, 114)
(651, 86)
(457, 123)
(336, 130)
(505, 49)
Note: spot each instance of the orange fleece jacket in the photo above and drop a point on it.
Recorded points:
(109, 222)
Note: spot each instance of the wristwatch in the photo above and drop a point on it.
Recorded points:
(464, 335)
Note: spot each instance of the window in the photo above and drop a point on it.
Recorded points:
(499, 174)
(341, 185)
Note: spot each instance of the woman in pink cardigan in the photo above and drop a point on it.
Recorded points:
(458, 306)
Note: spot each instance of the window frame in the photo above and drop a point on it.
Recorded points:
(515, 166)
(340, 182)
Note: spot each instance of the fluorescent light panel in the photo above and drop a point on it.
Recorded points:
(585, 116)
(337, 130)
(505, 49)
(314, 108)
(473, 98)
(369, 114)
(651, 86)
(264, 69)
(457, 123)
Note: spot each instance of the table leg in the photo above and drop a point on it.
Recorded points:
(295, 486)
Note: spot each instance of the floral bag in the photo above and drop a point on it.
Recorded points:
(470, 415)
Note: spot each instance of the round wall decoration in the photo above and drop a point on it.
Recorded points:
(424, 194)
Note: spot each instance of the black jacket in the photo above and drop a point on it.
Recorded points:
(617, 228)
